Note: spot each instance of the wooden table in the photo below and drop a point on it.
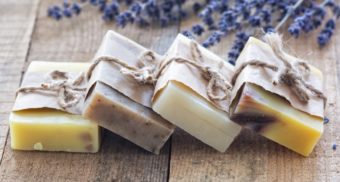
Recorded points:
(26, 34)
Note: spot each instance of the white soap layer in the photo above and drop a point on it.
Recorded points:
(184, 108)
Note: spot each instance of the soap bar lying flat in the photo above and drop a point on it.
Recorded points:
(121, 104)
(48, 129)
(273, 117)
(195, 115)
(181, 97)
(127, 118)
(51, 130)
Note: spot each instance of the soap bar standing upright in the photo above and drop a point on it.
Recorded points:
(275, 111)
(49, 129)
(181, 96)
(119, 103)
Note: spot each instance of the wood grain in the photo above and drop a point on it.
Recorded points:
(255, 158)
(77, 39)
(250, 157)
(16, 25)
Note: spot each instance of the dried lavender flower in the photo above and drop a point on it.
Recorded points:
(218, 18)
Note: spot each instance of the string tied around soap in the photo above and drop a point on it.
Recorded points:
(67, 90)
(151, 70)
(287, 75)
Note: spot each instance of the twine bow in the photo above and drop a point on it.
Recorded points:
(289, 75)
(68, 91)
(150, 71)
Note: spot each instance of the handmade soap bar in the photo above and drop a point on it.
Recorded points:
(119, 103)
(48, 129)
(277, 111)
(181, 97)
(186, 109)
(52, 130)
(273, 117)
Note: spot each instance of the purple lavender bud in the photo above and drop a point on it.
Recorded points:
(164, 21)
(269, 29)
(325, 36)
(76, 8)
(196, 7)
(334, 147)
(188, 34)
(121, 20)
(254, 21)
(128, 16)
(67, 13)
(94, 2)
(114, 7)
(57, 15)
(243, 36)
(336, 11)
(66, 4)
(294, 30)
(266, 16)
(152, 9)
(325, 120)
(198, 29)
(128, 2)
(330, 24)
(206, 44)
(209, 21)
(102, 5)
(167, 6)
(136, 8)
(330, 3)
(50, 11)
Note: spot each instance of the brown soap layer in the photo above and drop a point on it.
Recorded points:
(133, 121)
(244, 111)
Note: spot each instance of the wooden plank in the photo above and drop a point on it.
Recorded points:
(16, 26)
(255, 158)
(77, 40)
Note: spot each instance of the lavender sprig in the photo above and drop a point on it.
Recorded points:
(218, 18)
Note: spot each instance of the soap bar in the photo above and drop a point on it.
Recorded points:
(127, 118)
(273, 117)
(121, 104)
(52, 130)
(181, 97)
(47, 129)
(195, 115)
(277, 111)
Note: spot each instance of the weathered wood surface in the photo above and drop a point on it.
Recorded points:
(74, 40)
(26, 34)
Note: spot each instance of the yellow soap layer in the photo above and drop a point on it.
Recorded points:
(52, 130)
(184, 108)
(290, 127)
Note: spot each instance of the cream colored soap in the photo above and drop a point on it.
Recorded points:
(50, 129)
(186, 109)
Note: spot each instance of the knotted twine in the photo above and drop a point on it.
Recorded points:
(67, 90)
(287, 75)
(150, 72)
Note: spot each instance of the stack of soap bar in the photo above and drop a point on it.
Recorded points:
(271, 114)
(52, 130)
(273, 117)
(184, 107)
(113, 107)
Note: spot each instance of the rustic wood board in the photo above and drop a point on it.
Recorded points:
(26, 34)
